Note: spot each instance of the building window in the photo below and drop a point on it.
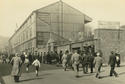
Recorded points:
(30, 32)
(23, 36)
(27, 35)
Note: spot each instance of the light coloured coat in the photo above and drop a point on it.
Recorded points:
(16, 69)
(64, 60)
(76, 58)
(98, 63)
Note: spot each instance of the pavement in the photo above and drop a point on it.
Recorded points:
(68, 77)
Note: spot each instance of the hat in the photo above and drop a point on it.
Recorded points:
(98, 54)
(112, 52)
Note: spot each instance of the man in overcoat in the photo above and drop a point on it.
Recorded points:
(91, 59)
(85, 63)
(16, 63)
(112, 62)
(98, 61)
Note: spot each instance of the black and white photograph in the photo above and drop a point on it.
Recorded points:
(62, 41)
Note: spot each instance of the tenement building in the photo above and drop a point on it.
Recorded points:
(47, 27)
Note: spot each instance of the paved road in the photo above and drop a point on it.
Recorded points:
(67, 77)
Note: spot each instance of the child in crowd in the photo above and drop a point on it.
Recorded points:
(36, 63)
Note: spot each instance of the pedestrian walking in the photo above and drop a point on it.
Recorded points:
(4, 59)
(91, 59)
(112, 62)
(16, 66)
(69, 61)
(30, 58)
(23, 57)
(118, 60)
(49, 57)
(27, 61)
(40, 57)
(57, 57)
(44, 57)
(65, 59)
(85, 63)
(76, 62)
(60, 57)
(36, 63)
(98, 61)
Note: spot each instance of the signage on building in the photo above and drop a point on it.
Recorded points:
(108, 24)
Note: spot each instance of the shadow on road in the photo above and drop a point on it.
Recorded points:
(45, 74)
(104, 76)
(36, 78)
(109, 76)
(122, 73)
(84, 75)
(30, 79)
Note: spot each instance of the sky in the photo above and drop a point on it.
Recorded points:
(14, 12)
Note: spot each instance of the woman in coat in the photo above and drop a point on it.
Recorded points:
(16, 66)
(98, 63)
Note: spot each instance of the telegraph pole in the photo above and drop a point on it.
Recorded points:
(99, 39)
(119, 38)
(61, 18)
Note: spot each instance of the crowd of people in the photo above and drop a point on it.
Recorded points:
(90, 60)
(4, 58)
(75, 58)
(87, 59)
(35, 59)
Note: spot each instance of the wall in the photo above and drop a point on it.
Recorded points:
(25, 36)
(63, 48)
(110, 40)
(61, 19)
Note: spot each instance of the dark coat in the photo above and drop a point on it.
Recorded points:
(112, 60)
(85, 60)
(22, 58)
(91, 59)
